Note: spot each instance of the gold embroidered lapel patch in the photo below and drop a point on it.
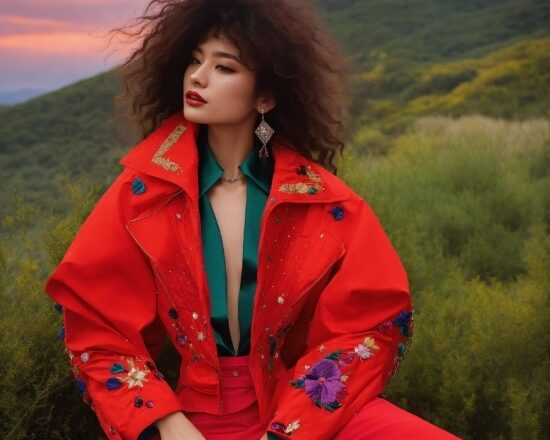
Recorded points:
(159, 157)
(314, 185)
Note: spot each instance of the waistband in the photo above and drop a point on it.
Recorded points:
(235, 372)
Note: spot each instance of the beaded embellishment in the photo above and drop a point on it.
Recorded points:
(313, 186)
(159, 157)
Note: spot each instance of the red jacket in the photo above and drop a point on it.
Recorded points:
(332, 312)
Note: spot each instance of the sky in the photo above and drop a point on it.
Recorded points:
(47, 44)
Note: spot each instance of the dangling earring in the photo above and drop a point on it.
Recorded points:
(264, 132)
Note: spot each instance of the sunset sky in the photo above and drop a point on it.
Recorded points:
(46, 44)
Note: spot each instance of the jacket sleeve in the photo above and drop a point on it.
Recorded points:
(357, 338)
(107, 291)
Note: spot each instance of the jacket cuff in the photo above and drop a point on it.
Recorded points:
(127, 393)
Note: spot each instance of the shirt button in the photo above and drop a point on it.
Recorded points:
(235, 373)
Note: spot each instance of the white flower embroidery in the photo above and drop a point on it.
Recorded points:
(135, 377)
(293, 426)
(363, 351)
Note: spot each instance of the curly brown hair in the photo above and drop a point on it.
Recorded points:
(292, 53)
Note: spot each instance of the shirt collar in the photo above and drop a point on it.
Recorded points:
(260, 171)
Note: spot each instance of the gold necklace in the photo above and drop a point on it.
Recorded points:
(225, 179)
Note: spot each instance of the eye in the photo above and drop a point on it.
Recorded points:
(192, 60)
(225, 68)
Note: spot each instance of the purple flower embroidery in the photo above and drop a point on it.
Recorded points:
(322, 383)
(278, 426)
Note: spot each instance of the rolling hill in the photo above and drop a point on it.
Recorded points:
(413, 57)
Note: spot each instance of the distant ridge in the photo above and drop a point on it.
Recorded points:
(19, 96)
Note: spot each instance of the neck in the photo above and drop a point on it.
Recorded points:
(231, 144)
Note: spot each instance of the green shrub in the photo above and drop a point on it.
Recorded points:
(465, 203)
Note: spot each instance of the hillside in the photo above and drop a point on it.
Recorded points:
(428, 31)
(67, 134)
(485, 61)
(511, 83)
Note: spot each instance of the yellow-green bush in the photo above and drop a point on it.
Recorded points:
(465, 203)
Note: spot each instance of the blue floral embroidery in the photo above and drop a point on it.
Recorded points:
(138, 186)
(58, 308)
(337, 212)
(113, 383)
(117, 368)
(61, 332)
(403, 321)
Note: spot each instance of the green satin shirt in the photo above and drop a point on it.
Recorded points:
(259, 173)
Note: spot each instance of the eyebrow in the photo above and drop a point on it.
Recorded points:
(223, 55)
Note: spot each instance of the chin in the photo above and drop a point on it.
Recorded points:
(200, 116)
(193, 116)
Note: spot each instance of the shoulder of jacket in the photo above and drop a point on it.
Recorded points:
(132, 193)
(349, 194)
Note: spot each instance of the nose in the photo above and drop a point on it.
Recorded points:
(198, 78)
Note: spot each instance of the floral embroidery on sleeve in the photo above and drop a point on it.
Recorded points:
(324, 382)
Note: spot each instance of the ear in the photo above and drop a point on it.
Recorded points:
(266, 101)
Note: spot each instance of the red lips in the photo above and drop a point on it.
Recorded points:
(195, 96)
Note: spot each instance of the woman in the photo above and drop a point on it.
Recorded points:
(228, 232)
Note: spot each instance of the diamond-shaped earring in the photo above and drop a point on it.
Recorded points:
(264, 132)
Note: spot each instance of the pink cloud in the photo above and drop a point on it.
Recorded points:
(64, 40)
(17, 25)
(103, 13)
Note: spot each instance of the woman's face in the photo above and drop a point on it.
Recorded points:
(227, 85)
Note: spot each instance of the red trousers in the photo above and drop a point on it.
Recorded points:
(377, 420)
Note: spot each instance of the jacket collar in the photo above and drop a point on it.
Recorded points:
(170, 153)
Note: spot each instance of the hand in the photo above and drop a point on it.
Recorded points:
(178, 427)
